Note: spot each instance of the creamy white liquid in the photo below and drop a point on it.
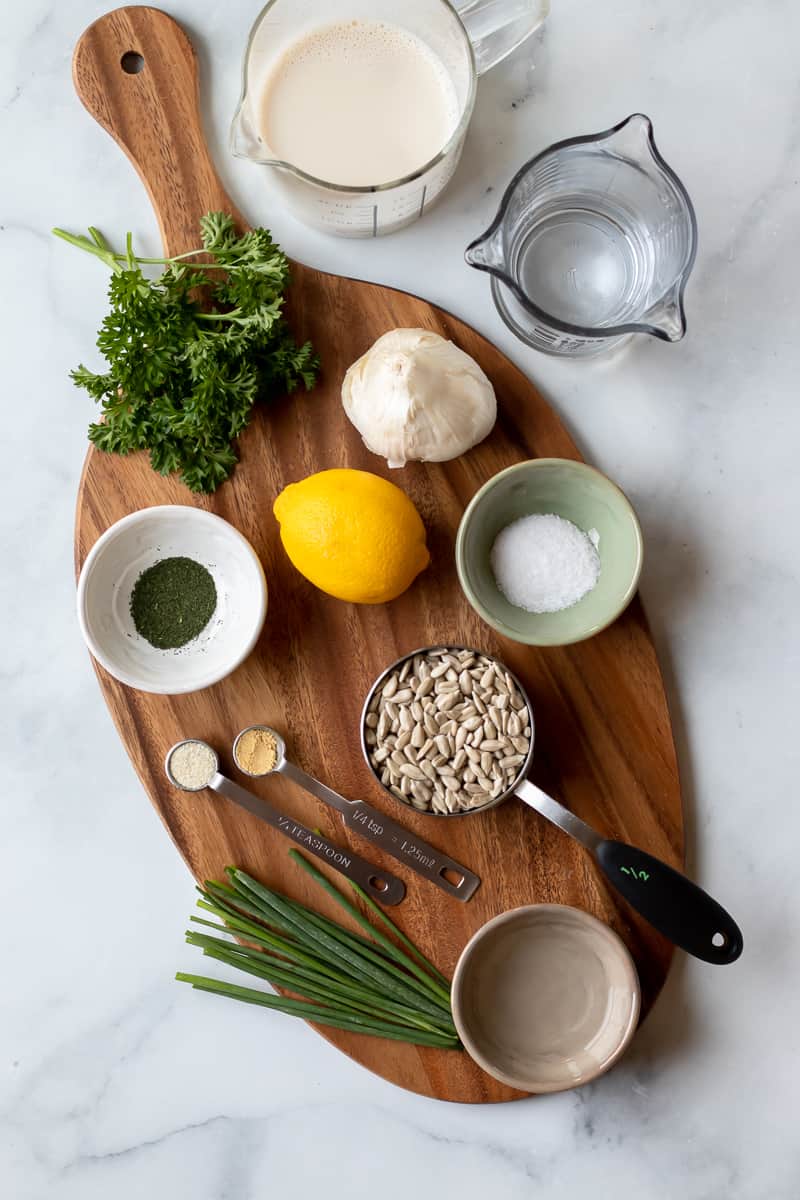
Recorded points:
(360, 103)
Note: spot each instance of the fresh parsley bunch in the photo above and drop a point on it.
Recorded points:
(189, 353)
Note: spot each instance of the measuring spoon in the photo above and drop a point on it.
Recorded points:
(382, 831)
(380, 885)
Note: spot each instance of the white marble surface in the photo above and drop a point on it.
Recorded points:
(116, 1082)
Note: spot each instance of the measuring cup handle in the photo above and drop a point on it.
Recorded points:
(496, 27)
(674, 905)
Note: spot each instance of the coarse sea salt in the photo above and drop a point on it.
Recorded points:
(543, 563)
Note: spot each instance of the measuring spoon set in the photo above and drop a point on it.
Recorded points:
(675, 906)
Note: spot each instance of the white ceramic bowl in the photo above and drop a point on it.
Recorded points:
(135, 543)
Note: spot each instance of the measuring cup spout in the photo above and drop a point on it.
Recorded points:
(486, 252)
(667, 319)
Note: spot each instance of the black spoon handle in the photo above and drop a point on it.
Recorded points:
(674, 905)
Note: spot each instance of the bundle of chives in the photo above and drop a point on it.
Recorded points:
(345, 980)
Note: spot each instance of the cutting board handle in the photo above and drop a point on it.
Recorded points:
(135, 71)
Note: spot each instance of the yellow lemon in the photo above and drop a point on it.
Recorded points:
(354, 535)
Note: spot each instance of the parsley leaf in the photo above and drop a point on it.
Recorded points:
(191, 352)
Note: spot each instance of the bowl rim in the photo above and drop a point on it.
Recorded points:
(579, 916)
(496, 622)
(186, 512)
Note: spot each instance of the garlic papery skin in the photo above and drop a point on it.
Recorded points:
(416, 396)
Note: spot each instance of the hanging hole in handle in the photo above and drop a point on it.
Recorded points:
(452, 877)
(379, 884)
(132, 62)
(719, 940)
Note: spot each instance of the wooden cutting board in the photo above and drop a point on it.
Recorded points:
(604, 742)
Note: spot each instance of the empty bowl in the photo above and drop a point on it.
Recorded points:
(138, 542)
(579, 493)
(545, 998)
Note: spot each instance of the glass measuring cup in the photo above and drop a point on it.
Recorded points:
(467, 42)
(594, 240)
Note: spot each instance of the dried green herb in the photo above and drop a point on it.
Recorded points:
(172, 602)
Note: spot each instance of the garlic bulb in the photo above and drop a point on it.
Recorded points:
(414, 395)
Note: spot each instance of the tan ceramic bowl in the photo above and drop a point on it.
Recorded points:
(545, 998)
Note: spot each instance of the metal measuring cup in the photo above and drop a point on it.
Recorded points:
(373, 825)
(380, 885)
(675, 906)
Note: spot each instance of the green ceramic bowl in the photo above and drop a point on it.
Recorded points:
(582, 495)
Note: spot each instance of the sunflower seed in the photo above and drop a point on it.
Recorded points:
(381, 754)
(410, 753)
(451, 783)
(386, 776)
(446, 702)
(480, 705)
(403, 739)
(478, 799)
(514, 726)
(405, 785)
(438, 760)
(424, 671)
(391, 686)
(428, 769)
(459, 760)
(520, 744)
(439, 805)
(472, 754)
(406, 720)
(465, 682)
(420, 805)
(512, 760)
(427, 747)
(403, 696)
(418, 737)
(421, 791)
(472, 723)
(405, 670)
(487, 677)
(447, 685)
(398, 758)
(452, 802)
(476, 738)
(439, 671)
(411, 771)
(489, 730)
(461, 737)
(395, 790)
(391, 711)
(486, 762)
(425, 687)
(370, 738)
(491, 744)
(431, 725)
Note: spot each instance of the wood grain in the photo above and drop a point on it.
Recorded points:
(604, 742)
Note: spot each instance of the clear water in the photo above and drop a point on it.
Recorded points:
(584, 260)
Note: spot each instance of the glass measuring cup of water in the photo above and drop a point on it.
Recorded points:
(594, 241)
(465, 38)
